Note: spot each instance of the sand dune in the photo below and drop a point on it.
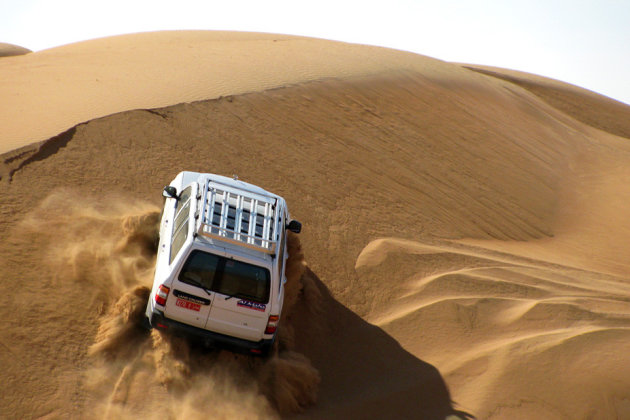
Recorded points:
(67, 85)
(464, 250)
(507, 332)
(10, 50)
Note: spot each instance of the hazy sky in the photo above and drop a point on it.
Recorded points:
(584, 42)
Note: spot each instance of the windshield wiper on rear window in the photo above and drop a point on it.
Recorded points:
(242, 296)
(246, 296)
(196, 283)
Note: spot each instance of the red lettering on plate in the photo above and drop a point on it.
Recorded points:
(188, 305)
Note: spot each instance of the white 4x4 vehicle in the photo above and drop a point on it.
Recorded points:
(220, 268)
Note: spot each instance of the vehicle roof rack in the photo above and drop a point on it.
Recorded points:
(241, 217)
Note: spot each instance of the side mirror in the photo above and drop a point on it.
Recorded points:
(170, 192)
(294, 226)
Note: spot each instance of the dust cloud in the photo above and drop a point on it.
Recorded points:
(108, 246)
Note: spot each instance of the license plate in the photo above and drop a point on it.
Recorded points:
(188, 305)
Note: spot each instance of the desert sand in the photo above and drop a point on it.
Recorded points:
(464, 251)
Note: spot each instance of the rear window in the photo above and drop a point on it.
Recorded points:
(226, 276)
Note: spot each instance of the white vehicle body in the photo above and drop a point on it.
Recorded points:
(220, 268)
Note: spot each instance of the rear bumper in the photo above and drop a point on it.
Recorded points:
(210, 338)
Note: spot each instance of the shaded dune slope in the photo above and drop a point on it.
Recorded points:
(392, 174)
(10, 50)
(588, 107)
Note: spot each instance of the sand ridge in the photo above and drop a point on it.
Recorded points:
(589, 107)
(47, 92)
(463, 250)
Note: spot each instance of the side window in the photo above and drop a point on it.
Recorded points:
(283, 242)
(178, 240)
(181, 217)
(183, 198)
(180, 228)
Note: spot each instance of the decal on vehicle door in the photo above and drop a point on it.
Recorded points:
(252, 305)
(190, 298)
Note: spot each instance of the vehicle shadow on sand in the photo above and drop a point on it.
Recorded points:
(364, 372)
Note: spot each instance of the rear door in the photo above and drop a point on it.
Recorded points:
(190, 299)
(188, 304)
(241, 304)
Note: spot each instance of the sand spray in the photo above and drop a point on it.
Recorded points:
(107, 246)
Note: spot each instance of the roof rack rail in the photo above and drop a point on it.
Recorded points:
(236, 216)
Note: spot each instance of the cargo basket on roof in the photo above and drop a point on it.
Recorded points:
(236, 216)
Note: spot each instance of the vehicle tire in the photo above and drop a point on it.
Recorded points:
(145, 323)
(268, 350)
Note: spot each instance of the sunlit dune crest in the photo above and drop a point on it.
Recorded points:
(74, 83)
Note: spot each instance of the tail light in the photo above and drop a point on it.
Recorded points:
(272, 325)
(161, 295)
